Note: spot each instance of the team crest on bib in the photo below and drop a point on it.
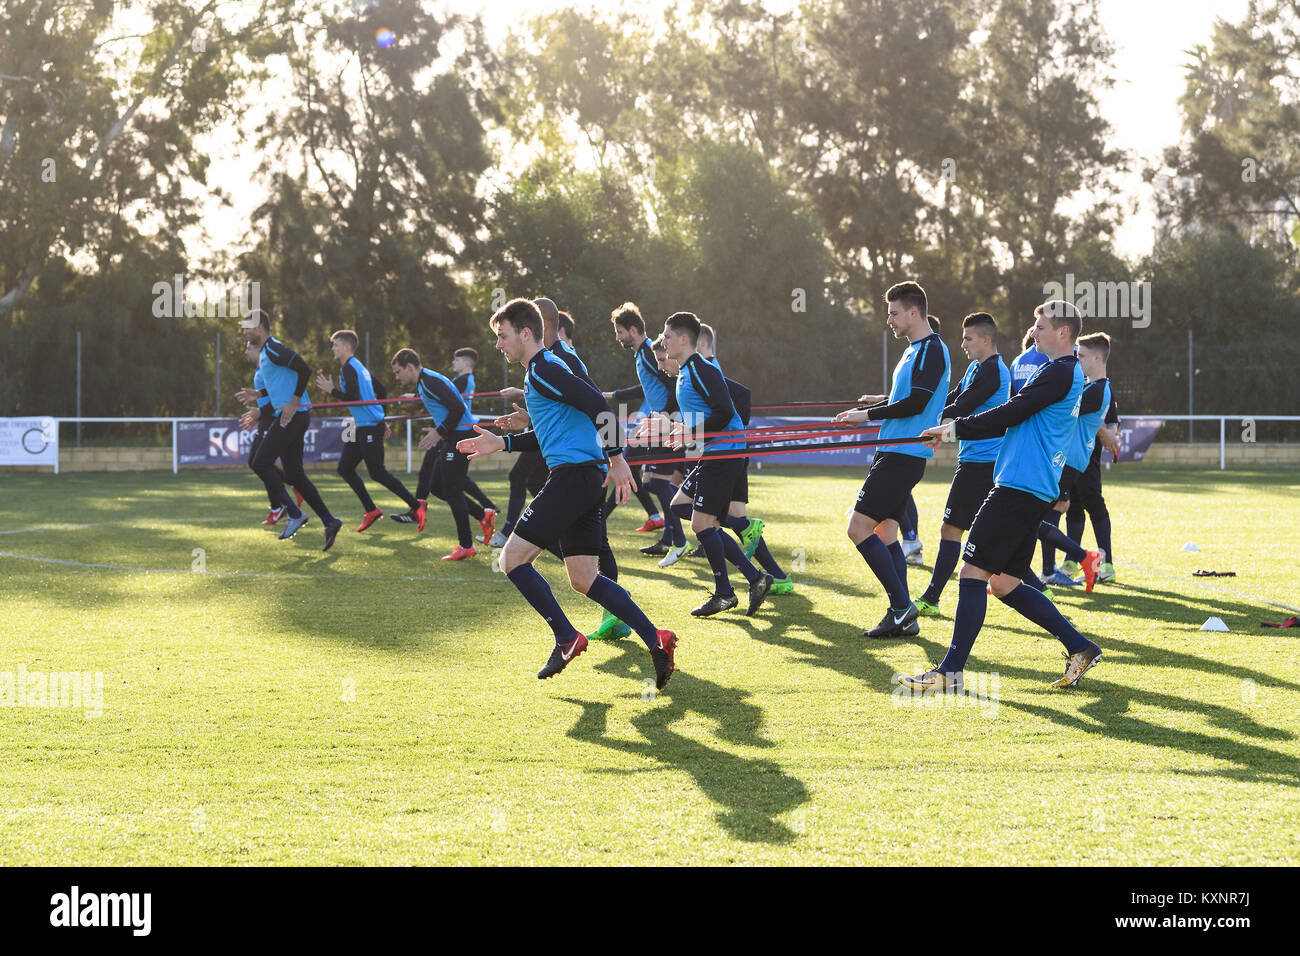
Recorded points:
(1058, 460)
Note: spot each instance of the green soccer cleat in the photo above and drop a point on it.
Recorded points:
(611, 629)
(926, 609)
(1107, 573)
(1070, 568)
(1047, 593)
(750, 537)
(782, 586)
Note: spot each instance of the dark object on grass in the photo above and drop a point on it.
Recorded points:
(1289, 622)
(1214, 574)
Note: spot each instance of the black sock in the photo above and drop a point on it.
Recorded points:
(972, 605)
(736, 555)
(945, 562)
(615, 599)
(1049, 533)
(538, 593)
(714, 550)
(881, 562)
(900, 568)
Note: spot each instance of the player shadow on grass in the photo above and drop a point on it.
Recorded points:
(753, 792)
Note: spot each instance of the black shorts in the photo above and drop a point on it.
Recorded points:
(713, 485)
(1004, 534)
(569, 511)
(1069, 477)
(665, 468)
(1088, 487)
(971, 484)
(889, 483)
(741, 493)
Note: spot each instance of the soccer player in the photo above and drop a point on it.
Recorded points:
(444, 468)
(654, 387)
(1086, 496)
(568, 417)
(1037, 424)
(285, 374)
(706, 407)
(356, 385)
(462, 367)
(986, 384)
(261, 419)
(916, 399)
(1025, 365)
(653, 428)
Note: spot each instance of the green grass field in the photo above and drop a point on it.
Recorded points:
(374, 705)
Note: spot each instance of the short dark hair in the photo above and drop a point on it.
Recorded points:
(346, 335)
(628, 316)
(469, 353)
(1059, 312)
(908, 294)
(706, 333)
(935, 322)
(521, 314)
(566, 324)
(982, 323)
(1099, 342)
(407, 357)
(685, 322)
(659, 345)
(262, 318)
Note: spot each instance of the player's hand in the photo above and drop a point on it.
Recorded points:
(483, 444)
(246, 395)
(872, 399)
(676, 439)
(1110, 441)
(853, 416)
(324, 383)
(512, 394)
(290, 410)
(516, 421)
(621, 475)
(248, 420)
(388, 431)
(430, 437)
(938, 434)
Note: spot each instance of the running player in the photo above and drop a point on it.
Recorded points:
(462, 369)
(367, 444)
(986, 384)
(285, 374)
(1038, 425)
(260, 415)
(444, 468)
(916, 400)
(569, 417)
(706, 407)
(1086, 496)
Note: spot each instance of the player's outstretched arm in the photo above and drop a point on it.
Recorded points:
(481, 445)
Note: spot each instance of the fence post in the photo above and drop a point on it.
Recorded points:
(174, 430)
(78, 389)
(408, 445)
(1190, 375)
(1223, 444)
(217, 410)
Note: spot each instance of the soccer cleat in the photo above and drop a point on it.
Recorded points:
(925, 608)
(272, 516)
(750, 537)
(562, 655)
(498, 540)
(488, 524)
(715, 604)
(673, 556)
(656, 550)
(421, 512)
(460, 554)
(1069, 567)
(915, 556)
(662, 655)
(1106, 573)
(369, 518)
(651, 524)
(1076, 665)
(1060, 579)
(332, 529)
(895, 622)
(758, 591)
(933, 682)
(696, 552)
(1049, 594)
(298, 496)
(292, 525)
(1091, 565)
(611, 629)
(406, 517)
(782, 586)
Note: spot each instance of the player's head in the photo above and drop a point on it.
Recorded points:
(564, 328)
(706, 344)
(1027, 342)
(550, 316)
(935, 322)
(344, 344)
(907, 310)
(629, 327)
(463, 362)
(979, 336)
(667, 365)
(519, 329)
(681, 335)
(1057, 324)
(251, 352)
(406, 366)
(257, 327)
(1094, 353)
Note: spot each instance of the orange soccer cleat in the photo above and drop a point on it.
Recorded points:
(460, 554)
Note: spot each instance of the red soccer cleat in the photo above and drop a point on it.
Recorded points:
(663, 658)
(420, 509)
(460, 554)
(561, 655)
(1090, 565)
(298, 496)
(488, 524)
(369, 518)
(651, 524)
(273, 516)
